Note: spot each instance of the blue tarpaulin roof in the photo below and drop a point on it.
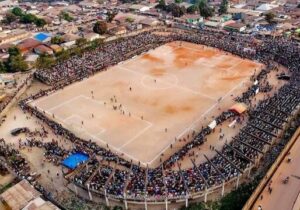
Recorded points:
(41, 37)
(75, 160)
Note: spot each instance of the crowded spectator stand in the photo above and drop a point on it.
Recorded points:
(132, 182)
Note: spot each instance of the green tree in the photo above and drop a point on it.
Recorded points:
(17, 11)
(44, 61)
(223, 7)
(9, 18)
(80, 42)
(39, 22)
(178, 1)
(2, 67)
(205, 10)
(56, 40)
(270, 17)
(66, 16)
(63, 55)
(111, 16)
(100, 27)
(161, 4)
(192, 9)
(28, 18)
(16, 63)
(176, 10)
(14, 51)
(129, 19)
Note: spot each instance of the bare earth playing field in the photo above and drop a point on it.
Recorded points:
(141, 106)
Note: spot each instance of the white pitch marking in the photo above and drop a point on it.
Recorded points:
(137, 135)
(64, 103)
(168, 83)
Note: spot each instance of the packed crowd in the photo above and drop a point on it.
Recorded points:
(265, 122)
(80, 66)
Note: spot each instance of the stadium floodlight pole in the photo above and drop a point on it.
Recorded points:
(185, 186)
(238, 180)
(199, 172)
(218, 171)
(256, 137)
(125, 201)
(76, 191)
(215, 167)
(166, 202)
(263, 130)
(205, 195)
(239, 153)
(127, 179)
(229, 161)
(90, 194)
(186, 200)
(223, 187)
(146, 205)
(106, 198)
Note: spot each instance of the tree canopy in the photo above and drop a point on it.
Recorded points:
(176, 10)
(15, 62)
(192, 9)
(39, 22)
(66, 16)
(270, 17)
(44, 61)
(205, 10)
(9, 18)
(81, 41)
(56, 40)
(17, 11)
(100, 27)
(14, 51)
(223, 7)
(2, 67)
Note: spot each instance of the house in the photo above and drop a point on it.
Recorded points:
(7, 80)
(14, 35)
(31, 59)
(43, 49)
(139, 8)
(91, 36)
(73, 8)
(149, 22)
(4, 47)
(7, 5)
(70, 37)
(266, 7)
(193, 18)
(235, 27)
(68, 28)
(118, 30)
(185, 5)
(27, 45)
(24, 196)
(212, 24)
(56, 48)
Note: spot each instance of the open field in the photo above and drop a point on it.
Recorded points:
(141, 106)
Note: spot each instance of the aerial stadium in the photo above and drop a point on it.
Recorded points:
(169, 116)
